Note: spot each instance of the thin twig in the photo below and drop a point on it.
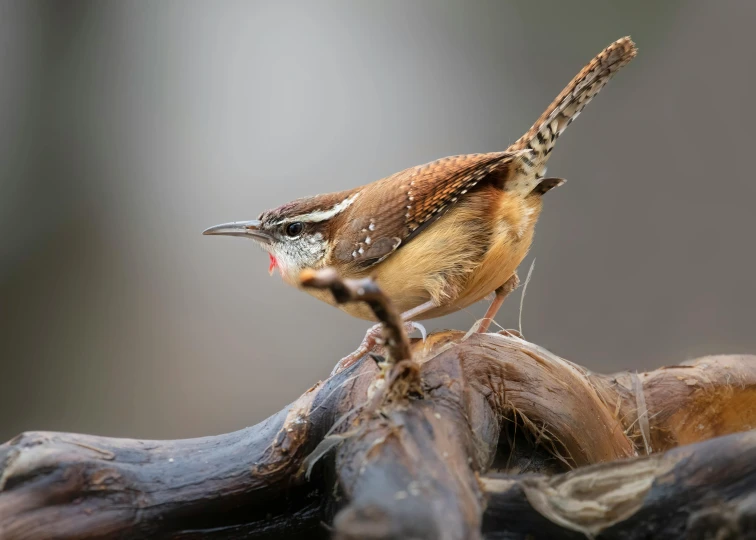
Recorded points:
(365, 290)
(524, 290)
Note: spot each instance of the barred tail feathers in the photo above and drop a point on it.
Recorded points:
(570, 102)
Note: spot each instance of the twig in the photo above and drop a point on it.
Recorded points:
(524, 290)
(365, 290)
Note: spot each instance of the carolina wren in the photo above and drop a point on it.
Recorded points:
(436, 237)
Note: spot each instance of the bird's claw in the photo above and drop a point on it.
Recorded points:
(411, 326)
(371, 340)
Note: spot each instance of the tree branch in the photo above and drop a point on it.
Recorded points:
(704, 490)
(66, 485)
(396, 450)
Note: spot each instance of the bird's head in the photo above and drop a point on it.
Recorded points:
(296, 235)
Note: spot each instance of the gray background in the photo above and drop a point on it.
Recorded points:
(126, 128)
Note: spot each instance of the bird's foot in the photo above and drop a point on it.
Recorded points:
(371, 339)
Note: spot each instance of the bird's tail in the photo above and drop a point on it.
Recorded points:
(567, 106)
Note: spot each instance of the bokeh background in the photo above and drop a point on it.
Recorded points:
(126, 128)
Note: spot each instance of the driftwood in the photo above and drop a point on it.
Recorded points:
(459, 436)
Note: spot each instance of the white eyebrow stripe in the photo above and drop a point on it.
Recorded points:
(323, 215)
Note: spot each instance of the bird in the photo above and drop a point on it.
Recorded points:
(436, 237)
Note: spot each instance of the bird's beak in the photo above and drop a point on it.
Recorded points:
(250, 229)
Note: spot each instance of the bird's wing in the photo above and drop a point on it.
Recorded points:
(410, 200)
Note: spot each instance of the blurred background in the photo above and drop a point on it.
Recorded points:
(126, 128)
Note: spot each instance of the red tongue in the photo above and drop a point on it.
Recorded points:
(273, 264)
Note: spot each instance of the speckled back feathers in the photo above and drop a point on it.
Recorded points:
(375, 220)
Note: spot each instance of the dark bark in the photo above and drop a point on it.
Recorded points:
(705, 490)
(68, 485)
(397, 449)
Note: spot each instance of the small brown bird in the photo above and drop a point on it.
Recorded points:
(436, 237)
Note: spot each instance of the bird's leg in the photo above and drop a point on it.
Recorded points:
(372, 335)
(501, 293)
(418, 310)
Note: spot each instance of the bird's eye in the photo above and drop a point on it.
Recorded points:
(294, 229)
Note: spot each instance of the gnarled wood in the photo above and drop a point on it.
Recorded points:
(705, 490)
(417, 448)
